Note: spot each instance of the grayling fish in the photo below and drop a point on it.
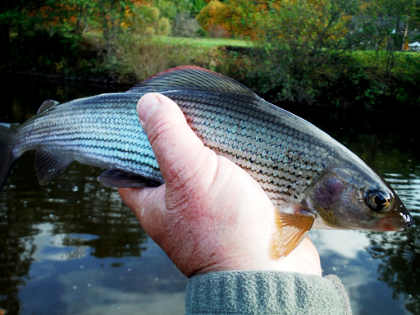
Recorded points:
(300, 167)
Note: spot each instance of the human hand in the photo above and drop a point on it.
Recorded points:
(210, 215)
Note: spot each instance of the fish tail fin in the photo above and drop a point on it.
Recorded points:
(7, 158)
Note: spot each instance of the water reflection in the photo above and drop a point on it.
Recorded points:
(344, 253)
(408, 187)
(399, 256)
(76, 239)
(73, 247)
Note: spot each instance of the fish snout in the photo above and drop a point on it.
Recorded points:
(397, 221)
(407, 219)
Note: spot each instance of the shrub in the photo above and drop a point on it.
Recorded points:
(138, 57)
(185, 26)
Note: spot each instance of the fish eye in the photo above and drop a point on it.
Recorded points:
(379, 201)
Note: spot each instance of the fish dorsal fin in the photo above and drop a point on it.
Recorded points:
(47, 105)
(192, 78)
(291, 228)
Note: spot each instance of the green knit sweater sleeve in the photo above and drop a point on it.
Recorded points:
(259, 292)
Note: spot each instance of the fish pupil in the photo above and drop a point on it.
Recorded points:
(378, 201)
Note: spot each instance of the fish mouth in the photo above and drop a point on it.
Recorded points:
(407, 219)
(397, 222)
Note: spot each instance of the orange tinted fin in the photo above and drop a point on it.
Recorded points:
(291, 228)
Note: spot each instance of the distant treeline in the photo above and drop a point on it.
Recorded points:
(333, 53)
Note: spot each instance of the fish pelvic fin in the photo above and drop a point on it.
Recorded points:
(6, 152)
(290, 230)
(49, 165)
(122, 179)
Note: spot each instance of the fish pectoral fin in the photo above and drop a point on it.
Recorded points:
(123, 179)
(290, 230)
(49, 165)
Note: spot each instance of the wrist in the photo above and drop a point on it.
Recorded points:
(304, 260)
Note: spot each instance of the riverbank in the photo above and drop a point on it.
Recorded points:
(342, 80)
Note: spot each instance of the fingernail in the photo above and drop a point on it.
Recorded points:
(147, 105)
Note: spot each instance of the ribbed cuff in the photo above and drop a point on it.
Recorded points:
(259, 292)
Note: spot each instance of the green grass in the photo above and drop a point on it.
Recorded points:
(201, 42)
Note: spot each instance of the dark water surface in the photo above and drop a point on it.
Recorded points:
(72, 247)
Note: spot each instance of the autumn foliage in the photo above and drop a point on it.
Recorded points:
(81, 15)
(282, 19)
(233, 18)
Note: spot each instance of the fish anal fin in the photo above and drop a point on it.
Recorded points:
(49, 165)
(290, 230)
(123, 179)
(47, 105)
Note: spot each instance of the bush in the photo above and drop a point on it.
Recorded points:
(185, 26)
(139, 57)
(342, 80)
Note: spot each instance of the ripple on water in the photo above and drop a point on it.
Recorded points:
(408, 188)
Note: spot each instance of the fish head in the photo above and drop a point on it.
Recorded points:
(351, 198)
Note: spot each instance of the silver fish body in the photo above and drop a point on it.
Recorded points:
(295, 162)
(102, 131)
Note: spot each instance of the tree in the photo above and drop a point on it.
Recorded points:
(271, 18)
(170, 9)
(384, 24)
(215, 18)
(296, 39)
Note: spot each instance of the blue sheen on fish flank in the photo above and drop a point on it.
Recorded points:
(101, 131)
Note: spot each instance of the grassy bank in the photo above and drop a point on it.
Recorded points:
(201, 42)
(365, 79)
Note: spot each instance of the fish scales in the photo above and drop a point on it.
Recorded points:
(245, 147)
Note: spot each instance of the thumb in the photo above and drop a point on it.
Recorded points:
(176, 147)
(148, 204)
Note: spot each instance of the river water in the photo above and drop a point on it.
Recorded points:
(72, 247)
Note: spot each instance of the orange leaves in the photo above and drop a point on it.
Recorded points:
(232, 18)
(214, 18)
(286, 19)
